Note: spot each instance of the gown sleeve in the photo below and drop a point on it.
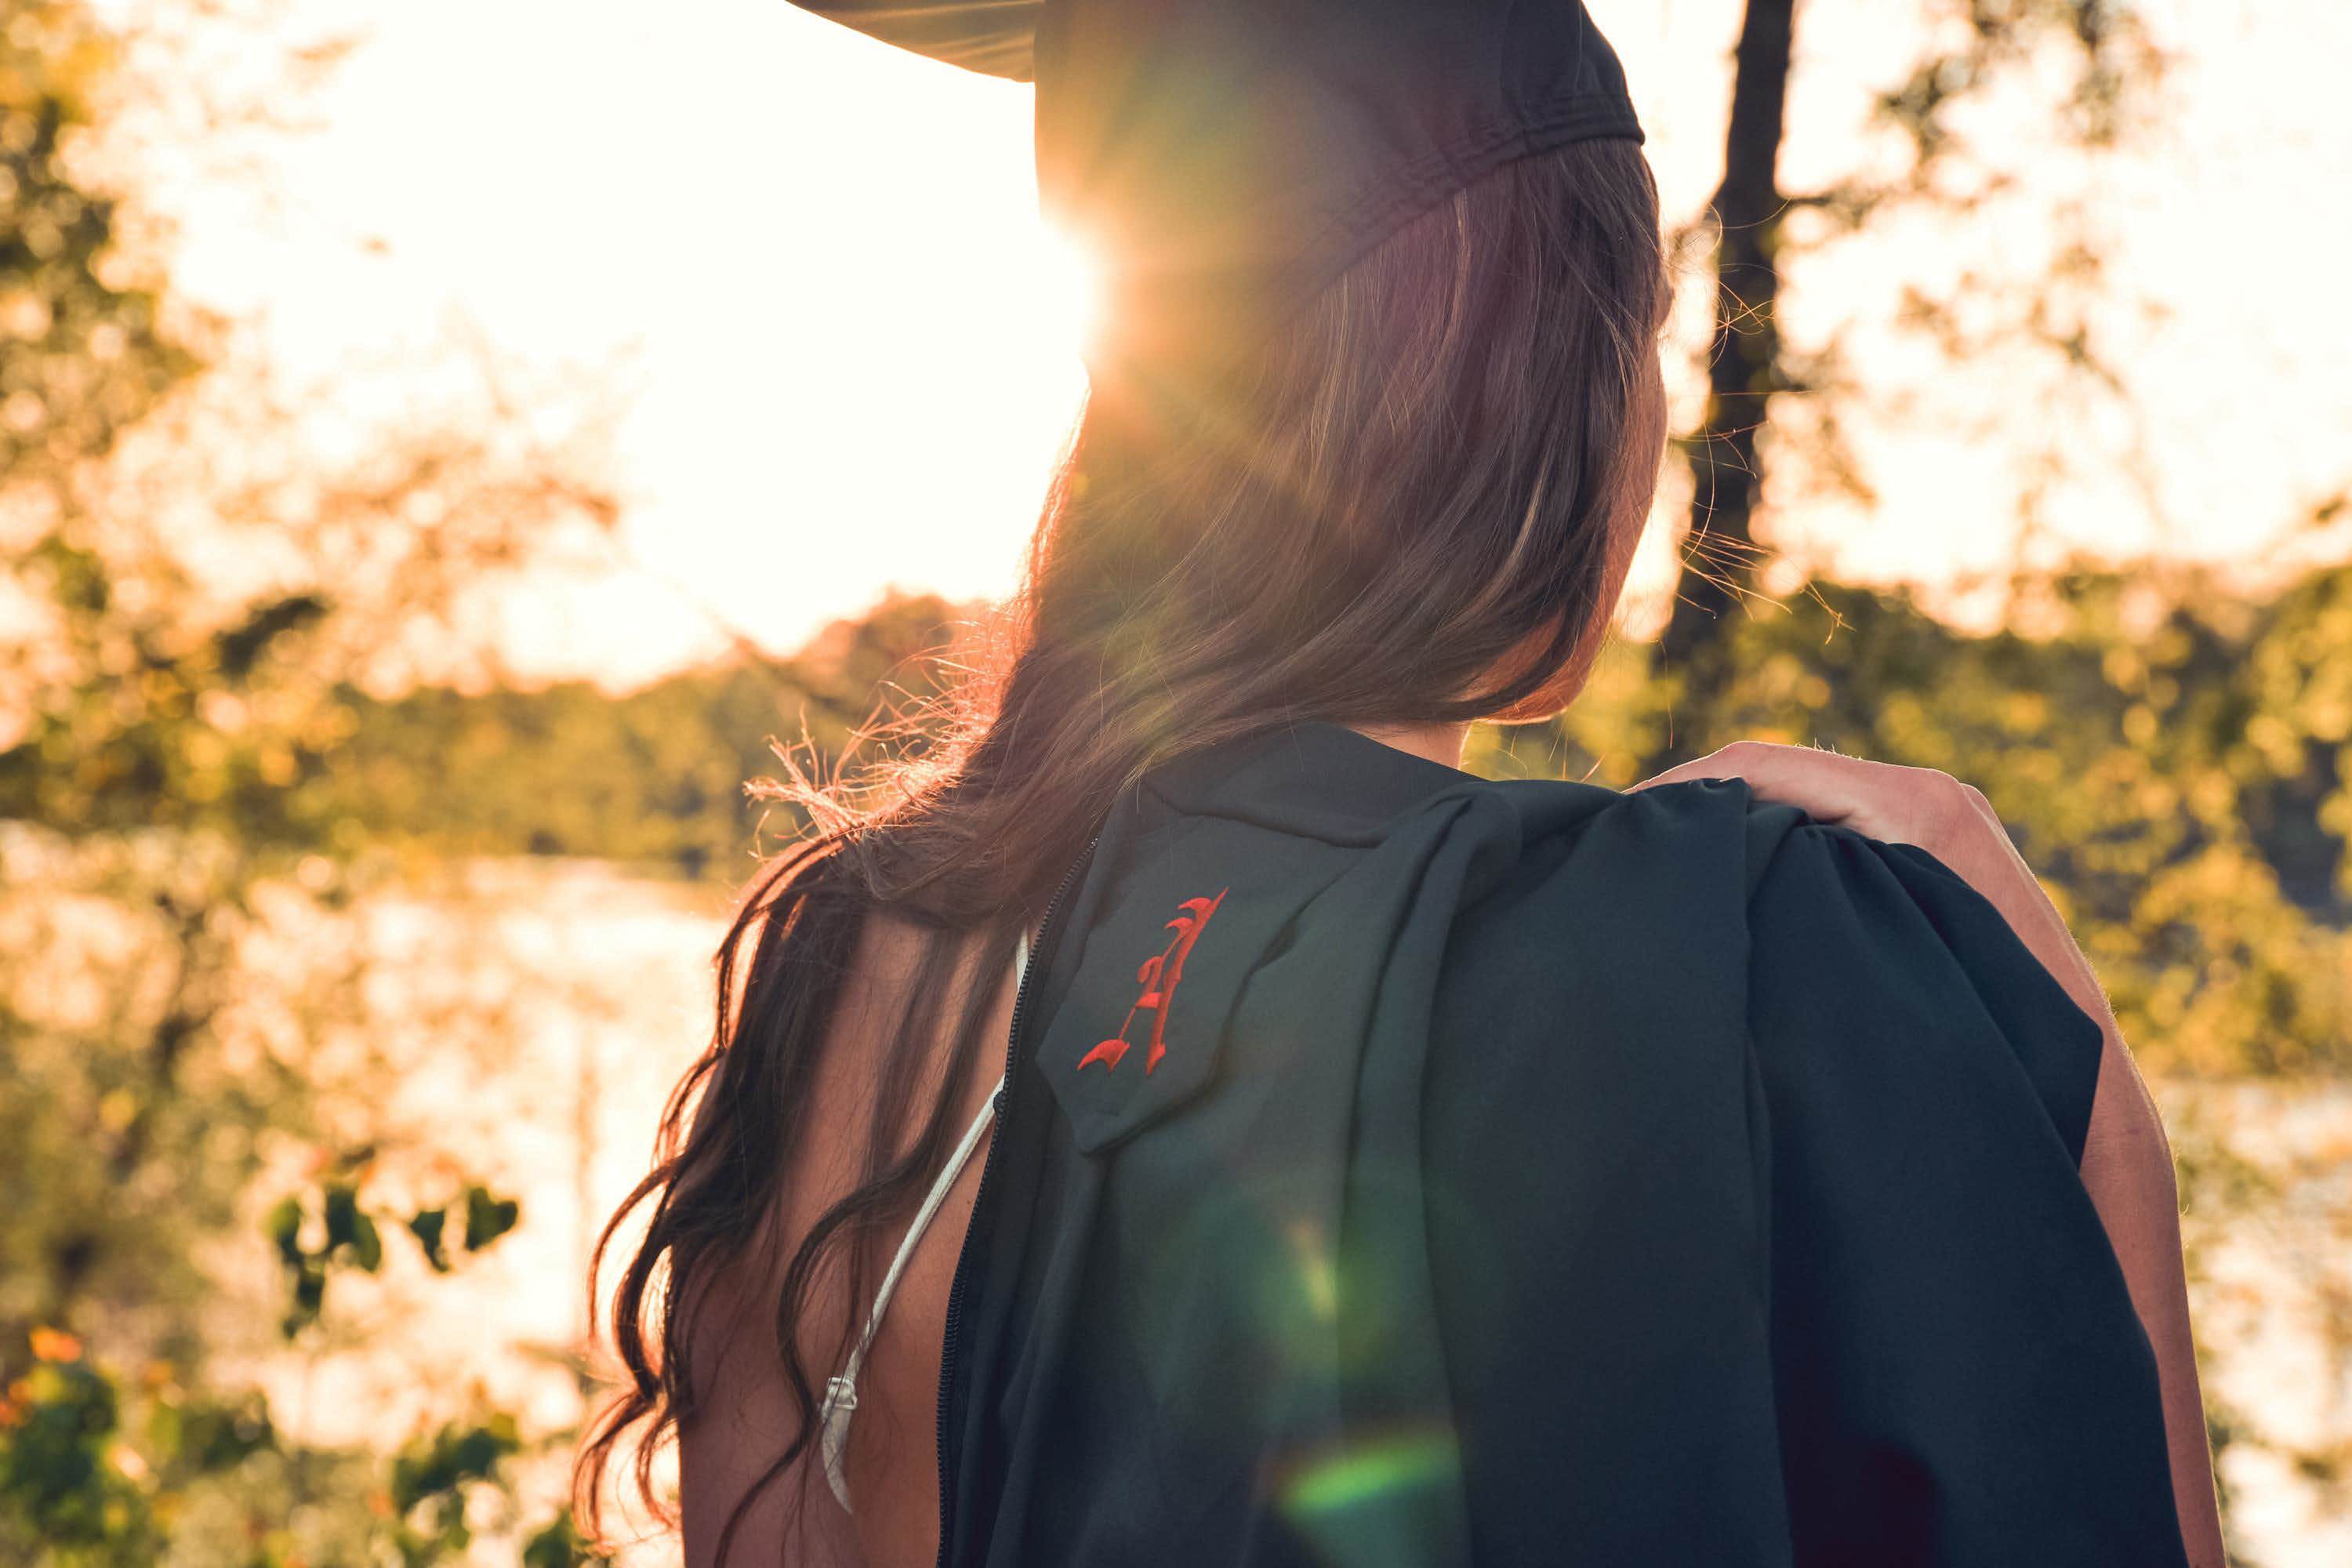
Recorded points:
(996, 38)
(1959, 1374)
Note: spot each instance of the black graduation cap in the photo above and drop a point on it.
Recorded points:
(1223, 160)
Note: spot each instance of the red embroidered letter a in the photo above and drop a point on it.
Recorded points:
(1159, 976)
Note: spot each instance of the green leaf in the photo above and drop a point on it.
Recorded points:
(367, 1244)
(342, 1215)
(309, 1290)
(427, 1225)
(487, 1217)
(283, 1226)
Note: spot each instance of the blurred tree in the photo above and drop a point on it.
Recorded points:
(193, 596)
(85, 356)
(1754, 233)
(654, 777)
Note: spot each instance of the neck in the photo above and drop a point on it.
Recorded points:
(1440, 744)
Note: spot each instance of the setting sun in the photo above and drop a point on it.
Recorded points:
(1066, 290)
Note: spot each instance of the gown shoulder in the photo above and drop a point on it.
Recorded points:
(1806, 1098)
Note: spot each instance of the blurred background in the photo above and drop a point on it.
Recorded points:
(443, 445)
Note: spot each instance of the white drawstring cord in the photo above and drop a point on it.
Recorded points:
(841, 1390)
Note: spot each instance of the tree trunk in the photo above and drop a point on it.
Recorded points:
(1719, 555)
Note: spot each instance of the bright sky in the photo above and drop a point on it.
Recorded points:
(811, 266)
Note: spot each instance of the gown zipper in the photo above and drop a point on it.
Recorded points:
(951, 1336)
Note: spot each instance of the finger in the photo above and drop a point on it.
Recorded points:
(1827, 786)
(1751, 760)
(1707, 767)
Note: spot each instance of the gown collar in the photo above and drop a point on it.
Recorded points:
(1312, 777)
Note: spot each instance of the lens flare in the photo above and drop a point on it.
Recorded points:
(1066, 289)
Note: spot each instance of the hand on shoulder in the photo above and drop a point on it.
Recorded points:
(1921, 806)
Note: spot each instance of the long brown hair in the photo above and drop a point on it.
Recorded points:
(1399, 510)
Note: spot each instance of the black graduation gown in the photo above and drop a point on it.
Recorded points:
(1402, 1168)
